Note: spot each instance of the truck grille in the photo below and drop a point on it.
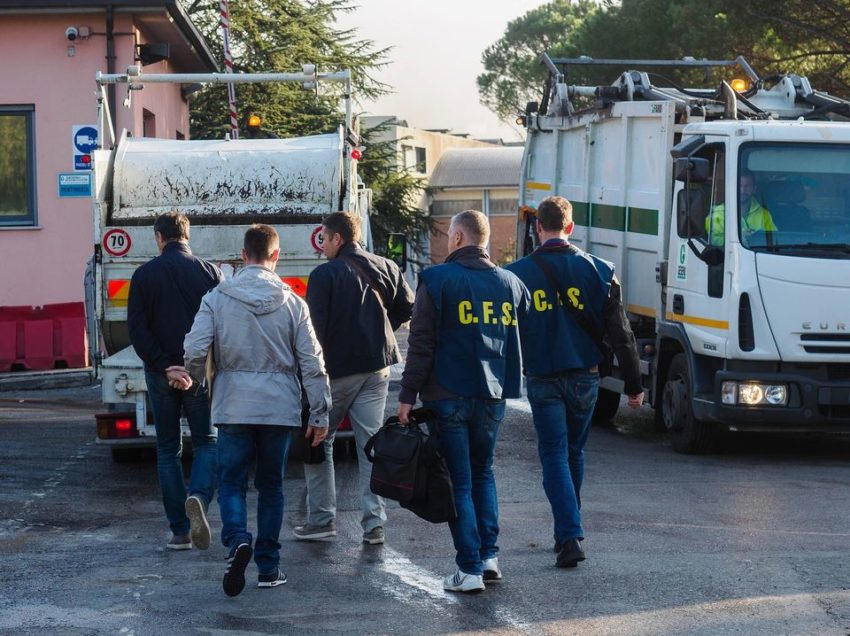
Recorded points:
(836, 343)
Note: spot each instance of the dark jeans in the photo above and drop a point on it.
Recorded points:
(238, 446)
(467, 430)
(167, 405)
(562, 408)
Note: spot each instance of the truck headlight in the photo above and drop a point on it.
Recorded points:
(753, 394)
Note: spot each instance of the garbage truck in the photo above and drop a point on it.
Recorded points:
(222, 186)
(726, 211)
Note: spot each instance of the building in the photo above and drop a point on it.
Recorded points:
(53, 49)
(462, 173)
(485, 179)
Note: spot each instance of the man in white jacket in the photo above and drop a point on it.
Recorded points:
(261, 339)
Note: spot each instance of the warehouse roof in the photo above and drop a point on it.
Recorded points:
(478, 168)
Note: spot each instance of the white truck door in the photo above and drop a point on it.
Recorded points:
(698, 293)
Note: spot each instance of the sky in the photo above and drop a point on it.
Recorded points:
(436, 57)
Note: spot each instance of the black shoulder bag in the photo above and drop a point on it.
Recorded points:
(607, 363)
(408, 467)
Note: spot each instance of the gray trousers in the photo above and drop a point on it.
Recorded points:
(364, 397)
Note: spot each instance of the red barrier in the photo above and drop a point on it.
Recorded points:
(8, 344)
(49, 337)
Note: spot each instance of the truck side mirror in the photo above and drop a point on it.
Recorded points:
(692, 169)
(397, 250)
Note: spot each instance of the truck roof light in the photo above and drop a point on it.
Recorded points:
(740, 84)
(254, 121)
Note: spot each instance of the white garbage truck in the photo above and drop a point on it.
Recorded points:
(726, 211)
(222, 186)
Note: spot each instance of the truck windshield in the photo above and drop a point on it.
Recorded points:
(794, 199)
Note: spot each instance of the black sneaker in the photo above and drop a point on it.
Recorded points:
(234, 577)
(271, 580)
(571, 553)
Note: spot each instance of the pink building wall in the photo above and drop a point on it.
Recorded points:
(45, 264)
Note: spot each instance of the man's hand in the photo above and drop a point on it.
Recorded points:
(178, 378)
(404, 412)
(636, 400)
(317, 433)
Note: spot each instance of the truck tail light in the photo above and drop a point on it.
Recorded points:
(116, 425)
(298, 284)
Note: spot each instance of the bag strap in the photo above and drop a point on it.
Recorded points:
(364, 275)
(572, 311)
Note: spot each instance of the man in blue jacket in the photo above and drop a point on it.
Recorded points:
(561, 359)
(165, 294)
(464, 360)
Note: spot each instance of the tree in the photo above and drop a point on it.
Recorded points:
(280, 36)
(513, 74)
(394, 194)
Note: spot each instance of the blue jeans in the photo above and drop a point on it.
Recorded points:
(167, 405)
(562, 409)
(238, 446)
(466, 431)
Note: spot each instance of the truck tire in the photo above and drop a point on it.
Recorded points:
(687, 435)
(607, 405)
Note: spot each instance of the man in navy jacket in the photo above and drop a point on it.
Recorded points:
(165, 294)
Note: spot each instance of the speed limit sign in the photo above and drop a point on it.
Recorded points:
(116, 242)
(317, 239)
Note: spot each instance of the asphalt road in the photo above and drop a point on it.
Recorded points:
(751, 541)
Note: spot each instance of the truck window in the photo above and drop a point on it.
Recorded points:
(794, 198)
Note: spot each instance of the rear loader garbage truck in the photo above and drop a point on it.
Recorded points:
(223, 186)
(726, 211)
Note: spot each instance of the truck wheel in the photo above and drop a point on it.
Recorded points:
(607, 405)
(687, 435)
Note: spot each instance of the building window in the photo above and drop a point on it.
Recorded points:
(450, 208)
(506, 207)
(17, 166)
(415, 158)
(148, 123)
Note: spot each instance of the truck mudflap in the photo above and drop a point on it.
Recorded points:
(812, 404)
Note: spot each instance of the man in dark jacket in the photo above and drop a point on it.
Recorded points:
(357, 300)
(165, 294)
(561, 360)
(463, 358)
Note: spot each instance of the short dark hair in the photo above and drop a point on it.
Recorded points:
(172, 226)
(555, 214)
(474, 225)
(260, 242)
(346, 225)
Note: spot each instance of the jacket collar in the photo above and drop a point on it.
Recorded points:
(470, 252)
(176, 246)
(352, 247)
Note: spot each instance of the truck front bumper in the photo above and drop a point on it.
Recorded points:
(814, 404)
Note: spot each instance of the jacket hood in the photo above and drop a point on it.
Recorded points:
(256, 287)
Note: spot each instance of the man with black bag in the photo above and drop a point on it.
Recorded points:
(463, 358)
(357, 301)
(576, 313)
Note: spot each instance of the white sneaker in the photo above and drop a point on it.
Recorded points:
(462, 582)
(491, 570)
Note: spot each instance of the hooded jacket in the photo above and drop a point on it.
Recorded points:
(262, 340)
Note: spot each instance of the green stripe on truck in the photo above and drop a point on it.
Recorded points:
(615, 217)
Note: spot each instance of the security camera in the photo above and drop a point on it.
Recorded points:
(72, 33)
